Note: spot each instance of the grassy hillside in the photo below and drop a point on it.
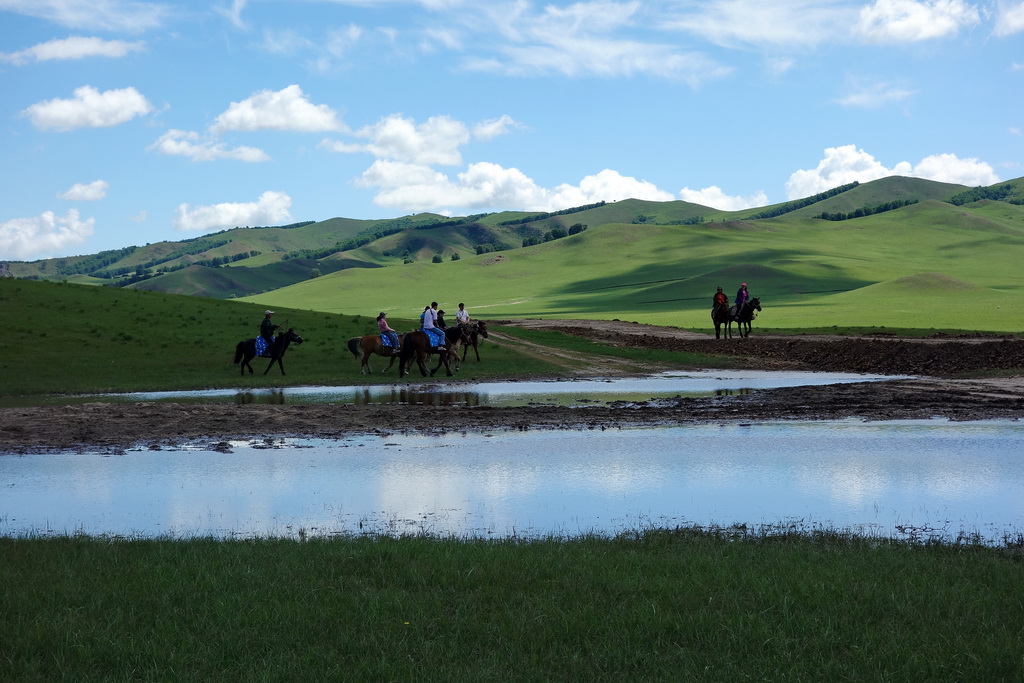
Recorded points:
(808, 272)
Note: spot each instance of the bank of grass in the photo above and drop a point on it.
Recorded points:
(681, 604)
(63, 339)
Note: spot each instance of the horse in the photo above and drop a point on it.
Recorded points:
(720, 316)
(744, 317)
(473, 332)
(417, 344)
(370, 344)
(246, 351)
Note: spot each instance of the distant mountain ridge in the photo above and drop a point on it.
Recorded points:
(246, 261)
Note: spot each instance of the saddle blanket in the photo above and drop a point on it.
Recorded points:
(261, 347)
(385, 341)
(436, 337)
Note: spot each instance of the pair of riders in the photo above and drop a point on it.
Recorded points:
(720, 300)
(431, 322)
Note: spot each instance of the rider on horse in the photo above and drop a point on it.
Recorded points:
(742, 296)
(720, 300)
(267, 329)
(385, 330)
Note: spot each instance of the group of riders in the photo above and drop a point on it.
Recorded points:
(431, 322)
(720, 301)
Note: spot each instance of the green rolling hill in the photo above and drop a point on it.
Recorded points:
(934, 255)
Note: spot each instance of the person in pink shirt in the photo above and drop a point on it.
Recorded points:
(385, 329)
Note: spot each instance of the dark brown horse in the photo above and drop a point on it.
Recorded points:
(367, 345)
(744, 317)
(246, 351)
(416, 344)
(474, 331)
(720, 316)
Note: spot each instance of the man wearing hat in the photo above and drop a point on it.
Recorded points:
(267, 328)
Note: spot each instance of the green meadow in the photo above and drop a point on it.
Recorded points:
(64, 339)
(931, 265)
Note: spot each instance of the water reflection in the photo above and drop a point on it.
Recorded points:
(879, 478)
(572, 392)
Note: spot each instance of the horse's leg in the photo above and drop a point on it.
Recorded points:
(421, 360)
(440, 358)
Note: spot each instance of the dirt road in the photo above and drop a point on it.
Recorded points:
(938, 392)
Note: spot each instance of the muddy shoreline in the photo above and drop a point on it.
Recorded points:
(934, 392)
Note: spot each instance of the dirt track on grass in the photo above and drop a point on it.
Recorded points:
(938, 389)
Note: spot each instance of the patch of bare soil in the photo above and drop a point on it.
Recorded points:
(936, 391)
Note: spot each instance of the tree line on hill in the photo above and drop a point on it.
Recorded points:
(866, 210)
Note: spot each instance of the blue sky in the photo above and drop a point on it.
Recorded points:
(127, 122)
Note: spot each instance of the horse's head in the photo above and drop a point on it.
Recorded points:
(293, 337)
(755, 303)
(482, 328)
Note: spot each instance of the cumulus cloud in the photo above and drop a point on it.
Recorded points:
(438, 140)
(86, 192)
(286, 109)
(1009, 18)
(89, 108)
(846, 164)
(76, 47)
(108, 15)
(272, 208)
(907, 21)
(188, 143)
(23, 238)
(717, 199)
(490, 186)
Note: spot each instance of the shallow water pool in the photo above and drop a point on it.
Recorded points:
(891, 479)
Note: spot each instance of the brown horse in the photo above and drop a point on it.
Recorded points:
(473, 331)
(369, 344)
(416, 344)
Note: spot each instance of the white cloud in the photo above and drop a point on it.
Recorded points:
(847, 164)
(437, 140)
(490, 186)
(22, 238)
(286, 109)
(580, 40)
(89, 108)
(874, 95)
(107, 15)
(1009, 18)
(86, 192)
(908, 21)
(486, 130)
(76, 47)
(717, 199)
(608, 185)
(947, 168)
(787, 23)
(187, 143)
(272, 208)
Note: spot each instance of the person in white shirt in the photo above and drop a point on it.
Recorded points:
(462, 315)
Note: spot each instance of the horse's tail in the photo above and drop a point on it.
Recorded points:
(353, 346)
(239, 352)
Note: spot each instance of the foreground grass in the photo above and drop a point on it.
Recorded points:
(660, 605)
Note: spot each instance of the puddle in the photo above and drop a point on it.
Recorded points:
(504, 394)
(890, 479)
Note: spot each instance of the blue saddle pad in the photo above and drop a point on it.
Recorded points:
(436, 337)
(261, 347)
(385, 341)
